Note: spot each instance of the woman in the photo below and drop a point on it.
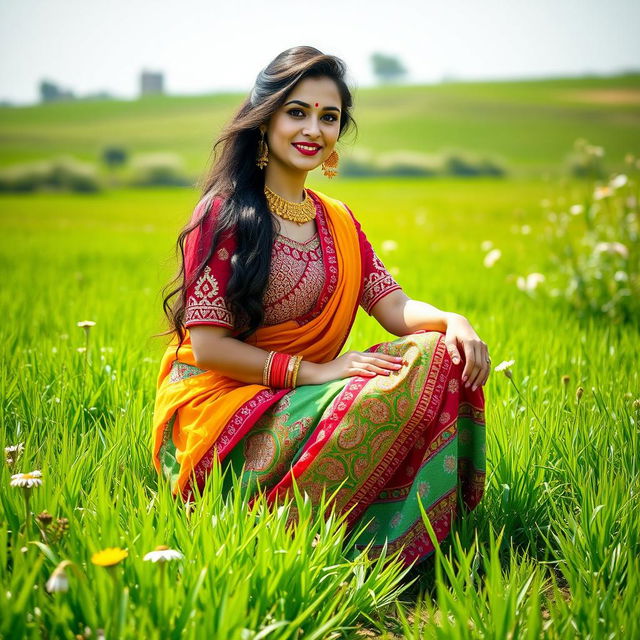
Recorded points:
(272, 275)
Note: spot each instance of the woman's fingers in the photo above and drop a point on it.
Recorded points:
(453, 352)
(369, 366)
(469, 362)
(483, 367)
(385, 357)
(387, 362)
(486, 357)
(373, 364)
(473, 352)
(355, 371)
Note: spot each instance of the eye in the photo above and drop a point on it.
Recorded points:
(292, 113)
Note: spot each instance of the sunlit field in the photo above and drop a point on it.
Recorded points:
(553, 548)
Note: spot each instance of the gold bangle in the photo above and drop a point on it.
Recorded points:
(289, 375)
(296, 368)
(267, 367)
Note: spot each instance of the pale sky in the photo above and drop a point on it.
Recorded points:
(205, 46)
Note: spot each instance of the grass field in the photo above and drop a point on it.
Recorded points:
(551, 551)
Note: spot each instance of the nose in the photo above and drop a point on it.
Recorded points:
(312, 128)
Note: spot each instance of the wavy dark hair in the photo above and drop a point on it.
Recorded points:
(235, 177)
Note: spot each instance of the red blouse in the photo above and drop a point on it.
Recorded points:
(301, 280)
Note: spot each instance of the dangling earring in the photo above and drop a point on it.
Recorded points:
(263, 152)
(330, 165)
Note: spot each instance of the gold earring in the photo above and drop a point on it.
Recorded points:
(330, 165)
(263, 152)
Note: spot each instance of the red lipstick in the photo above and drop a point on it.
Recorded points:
(312, 149)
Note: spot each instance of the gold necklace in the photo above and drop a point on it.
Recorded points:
(299, 212)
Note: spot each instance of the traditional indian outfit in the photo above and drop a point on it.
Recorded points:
(377, 442)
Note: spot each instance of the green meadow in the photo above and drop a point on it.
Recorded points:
(530, 124)
(553, 548)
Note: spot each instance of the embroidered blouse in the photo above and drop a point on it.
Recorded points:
(302, 276)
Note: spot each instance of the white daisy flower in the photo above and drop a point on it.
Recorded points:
(530, 282)
(28, 480)
(86, 323)
(619, 181)
(612, 247)
(163, 554)
(505, 366)
(58, 581)
(492, 257)
(602, 192)
(620, 276)
(14, 449)
(576, 209)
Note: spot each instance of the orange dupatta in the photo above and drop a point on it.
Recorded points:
(207, 401)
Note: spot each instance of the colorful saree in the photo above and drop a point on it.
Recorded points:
(378, 442)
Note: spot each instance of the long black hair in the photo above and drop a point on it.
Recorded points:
(235, 177)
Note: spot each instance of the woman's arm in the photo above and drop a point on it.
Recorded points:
(214, 348)
(400, 315)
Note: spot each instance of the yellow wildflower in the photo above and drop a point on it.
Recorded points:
(109, 557)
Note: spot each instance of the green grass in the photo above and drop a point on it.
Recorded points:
(552, 547)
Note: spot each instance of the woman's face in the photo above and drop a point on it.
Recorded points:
(310, 114)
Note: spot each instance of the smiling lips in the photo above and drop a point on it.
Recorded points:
(307, 148)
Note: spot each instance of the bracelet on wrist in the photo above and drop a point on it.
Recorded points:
(289, 377)
(266, 372)
(281, 370)
(296, 369)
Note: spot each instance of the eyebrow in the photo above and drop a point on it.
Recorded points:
(304, 104)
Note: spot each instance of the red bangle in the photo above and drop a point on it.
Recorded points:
(283, 372)
(279, 370)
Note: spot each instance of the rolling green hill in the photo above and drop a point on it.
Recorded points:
(531, 125)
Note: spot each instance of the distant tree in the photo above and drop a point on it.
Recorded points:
(387, 68)
(51, 92)
(114, 157)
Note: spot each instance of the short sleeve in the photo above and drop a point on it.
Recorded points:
(377, 281)
(205, 301)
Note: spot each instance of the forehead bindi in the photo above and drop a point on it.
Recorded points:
(308, 105)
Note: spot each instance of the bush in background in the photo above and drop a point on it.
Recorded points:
(114, 156)
(454, 162)
(594, 250)
(586, 161)
(63, 173)
(158, 169)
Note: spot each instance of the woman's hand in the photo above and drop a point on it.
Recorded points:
(355, 363)
(478, 364)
